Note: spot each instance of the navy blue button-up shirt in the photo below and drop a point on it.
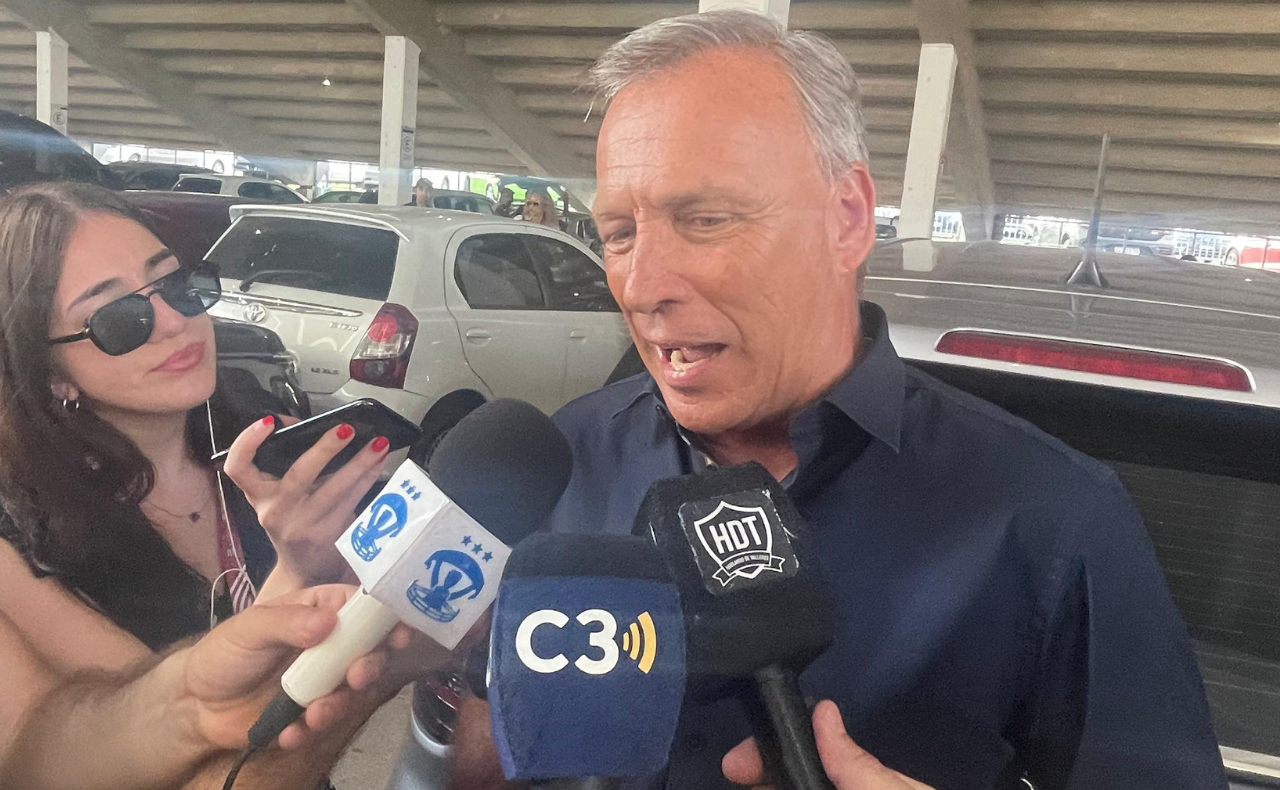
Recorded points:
(1000, 609)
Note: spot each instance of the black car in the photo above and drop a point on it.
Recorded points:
(153, 175)
(31, 151)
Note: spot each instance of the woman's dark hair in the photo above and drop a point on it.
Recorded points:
(70, 482)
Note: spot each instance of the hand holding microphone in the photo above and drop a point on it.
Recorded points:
(757, 609)
(847, 765)
(421, 552)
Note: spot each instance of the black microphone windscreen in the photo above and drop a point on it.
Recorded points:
(747, 568)
(506, 464)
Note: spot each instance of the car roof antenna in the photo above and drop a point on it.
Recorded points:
(1087, 272)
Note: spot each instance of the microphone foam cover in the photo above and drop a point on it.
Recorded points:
(749, 576)
(506, 464)
(587, 666)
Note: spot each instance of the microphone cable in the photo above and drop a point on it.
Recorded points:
(278, 715)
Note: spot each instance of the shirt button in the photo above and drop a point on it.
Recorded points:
(696, 742)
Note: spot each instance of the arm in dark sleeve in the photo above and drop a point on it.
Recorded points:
(1119, 701)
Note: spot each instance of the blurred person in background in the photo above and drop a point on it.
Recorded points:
(505, 207)
(424, 192)
(539, 209)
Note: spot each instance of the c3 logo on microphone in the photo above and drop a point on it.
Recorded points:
(640, 641)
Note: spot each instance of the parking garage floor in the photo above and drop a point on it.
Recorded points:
(368, 762)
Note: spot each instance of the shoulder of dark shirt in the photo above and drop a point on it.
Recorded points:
(996, 429)
(1055, 495)
(595, 410)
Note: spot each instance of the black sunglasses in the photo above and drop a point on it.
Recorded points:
(125, 324)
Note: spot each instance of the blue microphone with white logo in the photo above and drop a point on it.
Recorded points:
(587, 659)
(431, 548)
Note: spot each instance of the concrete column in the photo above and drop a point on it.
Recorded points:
(399, 121)
(51, 80)
(929, 123)
(778, 9)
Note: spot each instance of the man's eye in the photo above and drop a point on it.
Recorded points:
(619, 236)
(708, 221)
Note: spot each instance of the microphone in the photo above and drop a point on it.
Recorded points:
(421, 552)
(757, 608)
(587, 659)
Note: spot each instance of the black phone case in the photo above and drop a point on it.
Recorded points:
(368, 417)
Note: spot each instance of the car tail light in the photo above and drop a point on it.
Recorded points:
(382, 358)
(1094, 358)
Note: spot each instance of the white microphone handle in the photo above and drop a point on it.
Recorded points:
(363, 623)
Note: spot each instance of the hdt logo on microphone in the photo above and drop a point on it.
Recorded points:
(455, 574)
(740, 540)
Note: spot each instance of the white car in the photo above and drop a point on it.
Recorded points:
(250, 187)
(431, 312)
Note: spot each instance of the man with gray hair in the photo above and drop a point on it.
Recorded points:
(1001, 614)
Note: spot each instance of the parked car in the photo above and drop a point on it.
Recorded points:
(343, 196)
(32, 151)
(254, 188)
(430, 312)
(258, 370)
(447, 199)
(1254, 252)
(1125, 241)
(154, 175)
(187, 222)
(462, 201)
(584, 227)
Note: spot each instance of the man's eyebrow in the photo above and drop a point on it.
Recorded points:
(106, 285)
(717, 198)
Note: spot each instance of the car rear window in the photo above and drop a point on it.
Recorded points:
(332, 257)
(208, 186)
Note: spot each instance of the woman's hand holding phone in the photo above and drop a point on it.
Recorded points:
(302, 513)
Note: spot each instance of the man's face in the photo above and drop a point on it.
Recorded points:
(732, 256)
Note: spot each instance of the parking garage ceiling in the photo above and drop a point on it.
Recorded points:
(1190, 91)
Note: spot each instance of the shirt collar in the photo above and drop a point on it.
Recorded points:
(871, 394)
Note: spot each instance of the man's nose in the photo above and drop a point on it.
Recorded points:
(655, 278)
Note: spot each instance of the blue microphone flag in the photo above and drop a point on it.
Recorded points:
(587, 675)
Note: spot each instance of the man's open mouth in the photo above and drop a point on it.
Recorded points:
(687, 357)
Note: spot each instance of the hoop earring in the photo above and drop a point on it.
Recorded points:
(70, 405)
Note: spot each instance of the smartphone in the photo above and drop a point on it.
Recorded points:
(368, 417)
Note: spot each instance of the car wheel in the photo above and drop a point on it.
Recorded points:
(440, 420)
(1232, 259)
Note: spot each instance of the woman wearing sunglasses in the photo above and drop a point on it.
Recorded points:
(119, 538)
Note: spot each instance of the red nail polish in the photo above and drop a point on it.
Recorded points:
(380, 444)
(269, 421)
(345, 432)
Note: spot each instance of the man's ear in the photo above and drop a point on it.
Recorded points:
(854, 231)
